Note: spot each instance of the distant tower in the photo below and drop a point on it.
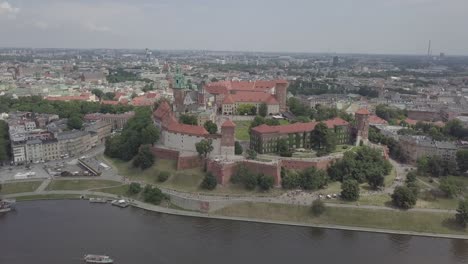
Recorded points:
(148, 55)
(335, 61)
(227, 138)
(429, 51)
(281, 92)
(362, 124)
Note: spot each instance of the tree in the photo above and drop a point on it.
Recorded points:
(411, 177)
(108, 96)
(265, 182)
(75, 122)
(97, 92)
(250, 181)
(291, 180)
(238, 148)
(318, 207)
(462, 213)
(163, 176)
(204, 148)
(375, 179)
(150, 134)
(462, 160)
(350, 190)
(152, 195)
(313, 179)
(283, 148)
(403, 197)
(144, 159)
(211, 127)
(258, 120)
(247, 109)
(323, 139)
(251, 154)
(451, 187)
(263, 110)
(209, 182)
(134, 188)
(188, 119)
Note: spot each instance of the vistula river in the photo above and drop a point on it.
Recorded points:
(61, 232)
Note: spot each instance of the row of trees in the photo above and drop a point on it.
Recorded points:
(138, 131)
(363, 165)
(395, 150)
(251, 180)
(4, 142)
(37, 104)
(309, 179)
(453, 130)
(305, 113)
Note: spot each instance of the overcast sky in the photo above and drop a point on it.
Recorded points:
(342, 26)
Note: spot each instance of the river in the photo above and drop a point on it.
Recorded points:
(61, 232)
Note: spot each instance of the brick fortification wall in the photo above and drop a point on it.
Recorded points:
(182, 162)
(224, 171)
(189, 162)
(166, 154)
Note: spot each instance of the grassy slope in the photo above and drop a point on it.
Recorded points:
(79, 184)
(20, 187)
(394, 220)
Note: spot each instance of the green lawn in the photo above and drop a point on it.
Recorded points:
(20, 187)
(283, 122)
(389, 179)
(80, 184)
(357, 217)
(378, 200)
(48, 197)
(121, 190)
(242, 130)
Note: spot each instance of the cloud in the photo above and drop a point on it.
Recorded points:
(95, 28)
(41, 25)
(8, 10)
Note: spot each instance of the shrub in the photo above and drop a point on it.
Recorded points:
(134, 188)
(318, 207)
(403, 197)
(209, 182)
(265, 182)
(163, 176)
(250, 181)
(238, 148)
(462, 214)
(451, 187)
(153, 195)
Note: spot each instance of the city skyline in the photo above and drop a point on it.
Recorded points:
(339, 26)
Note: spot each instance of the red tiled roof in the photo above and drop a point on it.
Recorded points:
(373, 119)
(411, 121)
(363, 111)
(228, 123)
(298, 127)
(163, 110)
(253, 97)
(228, 99)
(222, 87)
(177, 127)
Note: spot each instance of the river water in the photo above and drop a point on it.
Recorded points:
(61, 232)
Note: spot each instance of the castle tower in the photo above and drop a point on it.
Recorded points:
(179, 90)
(227, 138)
(281, 92)
(362, 125)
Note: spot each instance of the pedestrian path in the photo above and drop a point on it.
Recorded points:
(43, 186)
